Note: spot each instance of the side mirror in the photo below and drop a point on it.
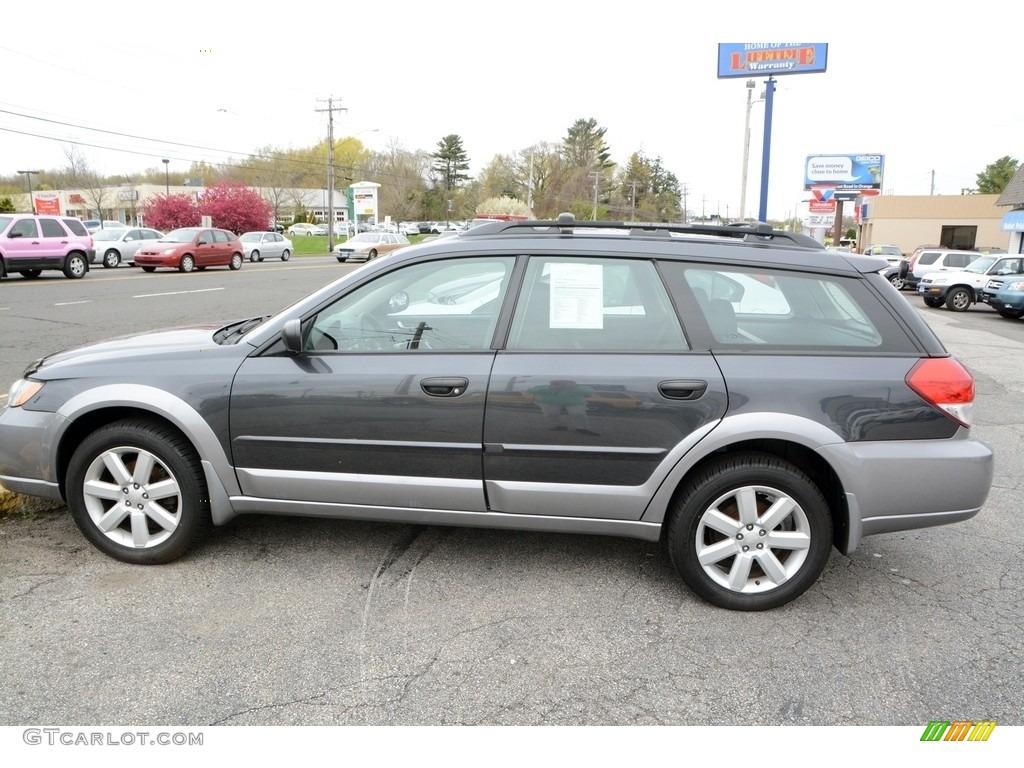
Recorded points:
(291, 335)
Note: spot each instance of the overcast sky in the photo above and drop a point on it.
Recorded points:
(201, 81)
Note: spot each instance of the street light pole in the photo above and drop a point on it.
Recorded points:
(167, 178)
(746, 148)
(31, 200)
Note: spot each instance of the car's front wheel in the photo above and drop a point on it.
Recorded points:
(111, 258)
(959, 299)
(136, 490)
(897, 282)
(285, 255)
(1011, 314)
(187, 263)
(236, 261)
(749, 532)
(254, 255)
(934, 303)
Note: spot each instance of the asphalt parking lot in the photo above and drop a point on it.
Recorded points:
(287, 621)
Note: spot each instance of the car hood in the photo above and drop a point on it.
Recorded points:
(170, 343)
(957, 276)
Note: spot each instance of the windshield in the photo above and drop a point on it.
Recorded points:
(107, 234)
(179, 236)
(365, 237)
(980, 266)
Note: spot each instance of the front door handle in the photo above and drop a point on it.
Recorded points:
(447, 386)
(683, 389)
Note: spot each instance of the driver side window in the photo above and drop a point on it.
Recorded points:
(446, 305)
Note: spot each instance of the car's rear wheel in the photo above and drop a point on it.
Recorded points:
(75, 266)
(931, 301)
(958, 300)
(30, 274)
(111, 258)
(187, 263)
(897, 282)
(749, 532)
(1011, 314)
(285, 255)
(254, 256)
(236, 261)
(137, 491)
(371, 255)
(149, 269)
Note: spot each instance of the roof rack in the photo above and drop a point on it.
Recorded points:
(566, 224)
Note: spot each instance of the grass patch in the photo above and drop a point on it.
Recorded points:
(316, 245)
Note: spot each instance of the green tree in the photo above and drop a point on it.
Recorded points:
(7, 205)
(584, 146)
(450, 165)
(997, 175)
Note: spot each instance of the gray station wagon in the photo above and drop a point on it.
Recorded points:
(741, 394)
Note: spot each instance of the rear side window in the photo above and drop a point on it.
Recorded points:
(959, 260)
(52, 228)
(597, 305)
(785, 311)
(76, 226)
(928, 258)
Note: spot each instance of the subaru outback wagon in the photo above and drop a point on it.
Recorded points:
(29, 244)
(738, 393)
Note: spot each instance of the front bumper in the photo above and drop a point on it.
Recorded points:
(28, 451)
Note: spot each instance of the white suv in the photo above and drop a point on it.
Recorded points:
(931, 260)
(958, 289)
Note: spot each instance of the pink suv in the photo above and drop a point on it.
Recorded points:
(29, 244)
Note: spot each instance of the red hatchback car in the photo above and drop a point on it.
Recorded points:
(191, 248)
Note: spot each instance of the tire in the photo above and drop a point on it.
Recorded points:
(931, 301)
(111, 258)
(371, 255)
(1011, 314)
(236, 261)
(137, 492)
(75, 266)
(959, 300)
(187, 263)
(254, 256)
(738, 572)
(285, 255)
(30, 274)
(897, 282)
(149, 269)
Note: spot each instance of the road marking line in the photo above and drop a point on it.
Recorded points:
(69, 303)
(175, 293)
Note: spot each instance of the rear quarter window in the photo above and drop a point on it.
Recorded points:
(76, 226)
(785, 311)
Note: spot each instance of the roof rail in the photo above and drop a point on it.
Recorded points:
(566, 224)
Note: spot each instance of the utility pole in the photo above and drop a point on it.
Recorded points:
(597, 178)
(330, 168)
(933, 183)
(31, 200)
(632, 214)
(686, 215)
(529, 187)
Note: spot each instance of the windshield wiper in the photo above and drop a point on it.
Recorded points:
(240, 328)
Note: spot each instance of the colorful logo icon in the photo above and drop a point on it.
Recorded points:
(959, 730)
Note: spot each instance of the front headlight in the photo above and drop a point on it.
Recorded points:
(1015, 287)
(168, 251)
(939, 281)
(22, 391)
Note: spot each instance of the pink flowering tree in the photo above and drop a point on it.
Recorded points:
(235, 207)
(167, 212)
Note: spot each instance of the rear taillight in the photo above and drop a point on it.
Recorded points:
(947, 385)
(913, 261)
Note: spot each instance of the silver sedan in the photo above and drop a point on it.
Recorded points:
(261, 245)
(119, 246)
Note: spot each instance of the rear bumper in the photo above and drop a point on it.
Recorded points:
(901, 485)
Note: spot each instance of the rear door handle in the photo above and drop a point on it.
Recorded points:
(446, 386)
(683, 389)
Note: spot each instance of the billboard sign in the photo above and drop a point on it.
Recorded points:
(844, 173)
(752, 59)
(46, 203)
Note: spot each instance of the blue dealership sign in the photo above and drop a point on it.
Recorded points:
(752, 59)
